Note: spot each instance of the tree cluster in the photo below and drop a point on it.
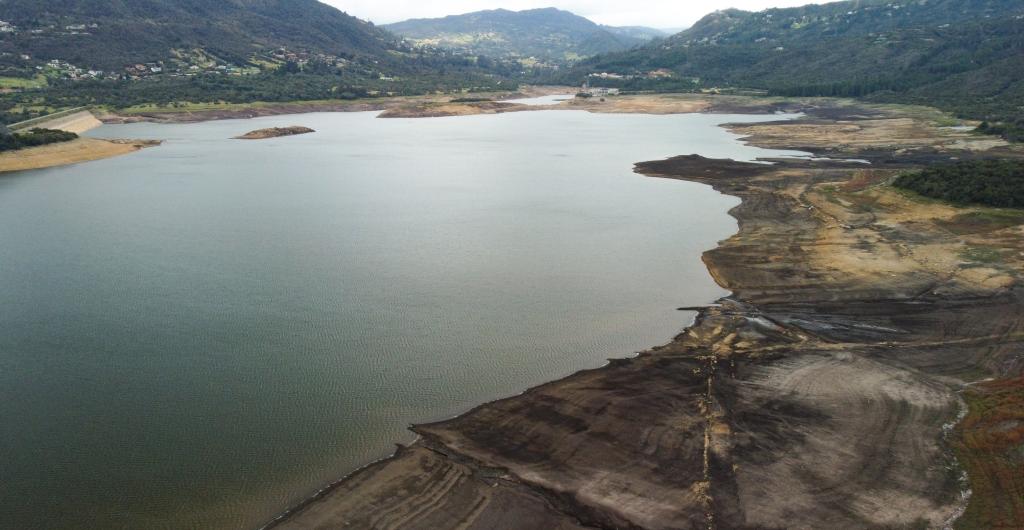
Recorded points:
(997, 183)
(35, 137)
(1012, 130)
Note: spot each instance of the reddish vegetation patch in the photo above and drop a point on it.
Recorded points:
(990, 444)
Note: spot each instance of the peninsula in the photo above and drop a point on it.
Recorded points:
(70, 152)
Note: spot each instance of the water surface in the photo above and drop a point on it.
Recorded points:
(204, 333)
(543, 101)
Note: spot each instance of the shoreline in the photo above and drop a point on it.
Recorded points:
(67, 153)
(261, 109)
(466, 446)
(433, 106)
(89, 149)
(79, 150)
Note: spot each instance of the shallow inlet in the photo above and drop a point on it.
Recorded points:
(204, 333)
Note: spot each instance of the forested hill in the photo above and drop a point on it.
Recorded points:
(108, 34)
(544, 34)
(961, 54)
(58, 54)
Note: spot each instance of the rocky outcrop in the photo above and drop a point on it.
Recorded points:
(274, 132)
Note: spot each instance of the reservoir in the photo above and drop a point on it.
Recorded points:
(201, 334)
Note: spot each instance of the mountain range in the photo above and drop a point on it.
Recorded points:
(547, 35)
(962, 55)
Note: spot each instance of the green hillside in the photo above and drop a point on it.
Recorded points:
(965, 55)
(68, 53)
(547, 34)
(108, 34)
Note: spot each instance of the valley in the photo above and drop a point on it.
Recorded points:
(424, 292)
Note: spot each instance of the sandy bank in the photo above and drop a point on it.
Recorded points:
(815, 396)
(445, 109)
(235, 112)
(73, 152)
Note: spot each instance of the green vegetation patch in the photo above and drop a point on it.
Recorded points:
(1011, 130)
(986, 255)
(963, 56)
(982, 222)
(998, 183)
(33, 138)
(38, 81)
(990, 446)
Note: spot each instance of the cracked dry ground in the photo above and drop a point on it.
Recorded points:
(818, 395)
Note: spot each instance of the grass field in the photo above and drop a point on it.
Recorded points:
(38, 81)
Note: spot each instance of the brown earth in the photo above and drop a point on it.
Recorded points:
(239, 112)
(73, 152)
(639, 104)
(818, 395)
(433, 109)
(274, 132)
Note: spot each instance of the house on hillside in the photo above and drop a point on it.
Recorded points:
(660, 73)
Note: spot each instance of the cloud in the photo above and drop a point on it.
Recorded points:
(655, 13)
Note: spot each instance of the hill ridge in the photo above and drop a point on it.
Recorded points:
(963, 55)
(547, 34)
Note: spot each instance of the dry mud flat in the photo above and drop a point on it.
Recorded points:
(64, 153)
(441, 109)
(238, 112)
(638, 104)
(818, 395)
(433, 106)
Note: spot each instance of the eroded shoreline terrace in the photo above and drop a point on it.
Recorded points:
(825, 384)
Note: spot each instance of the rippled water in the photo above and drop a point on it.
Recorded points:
(204, 333)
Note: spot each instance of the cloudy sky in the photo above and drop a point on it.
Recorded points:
(655, 13)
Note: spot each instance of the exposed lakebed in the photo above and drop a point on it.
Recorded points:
(202, 334)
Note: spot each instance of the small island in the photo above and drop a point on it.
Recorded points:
(274, 132)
